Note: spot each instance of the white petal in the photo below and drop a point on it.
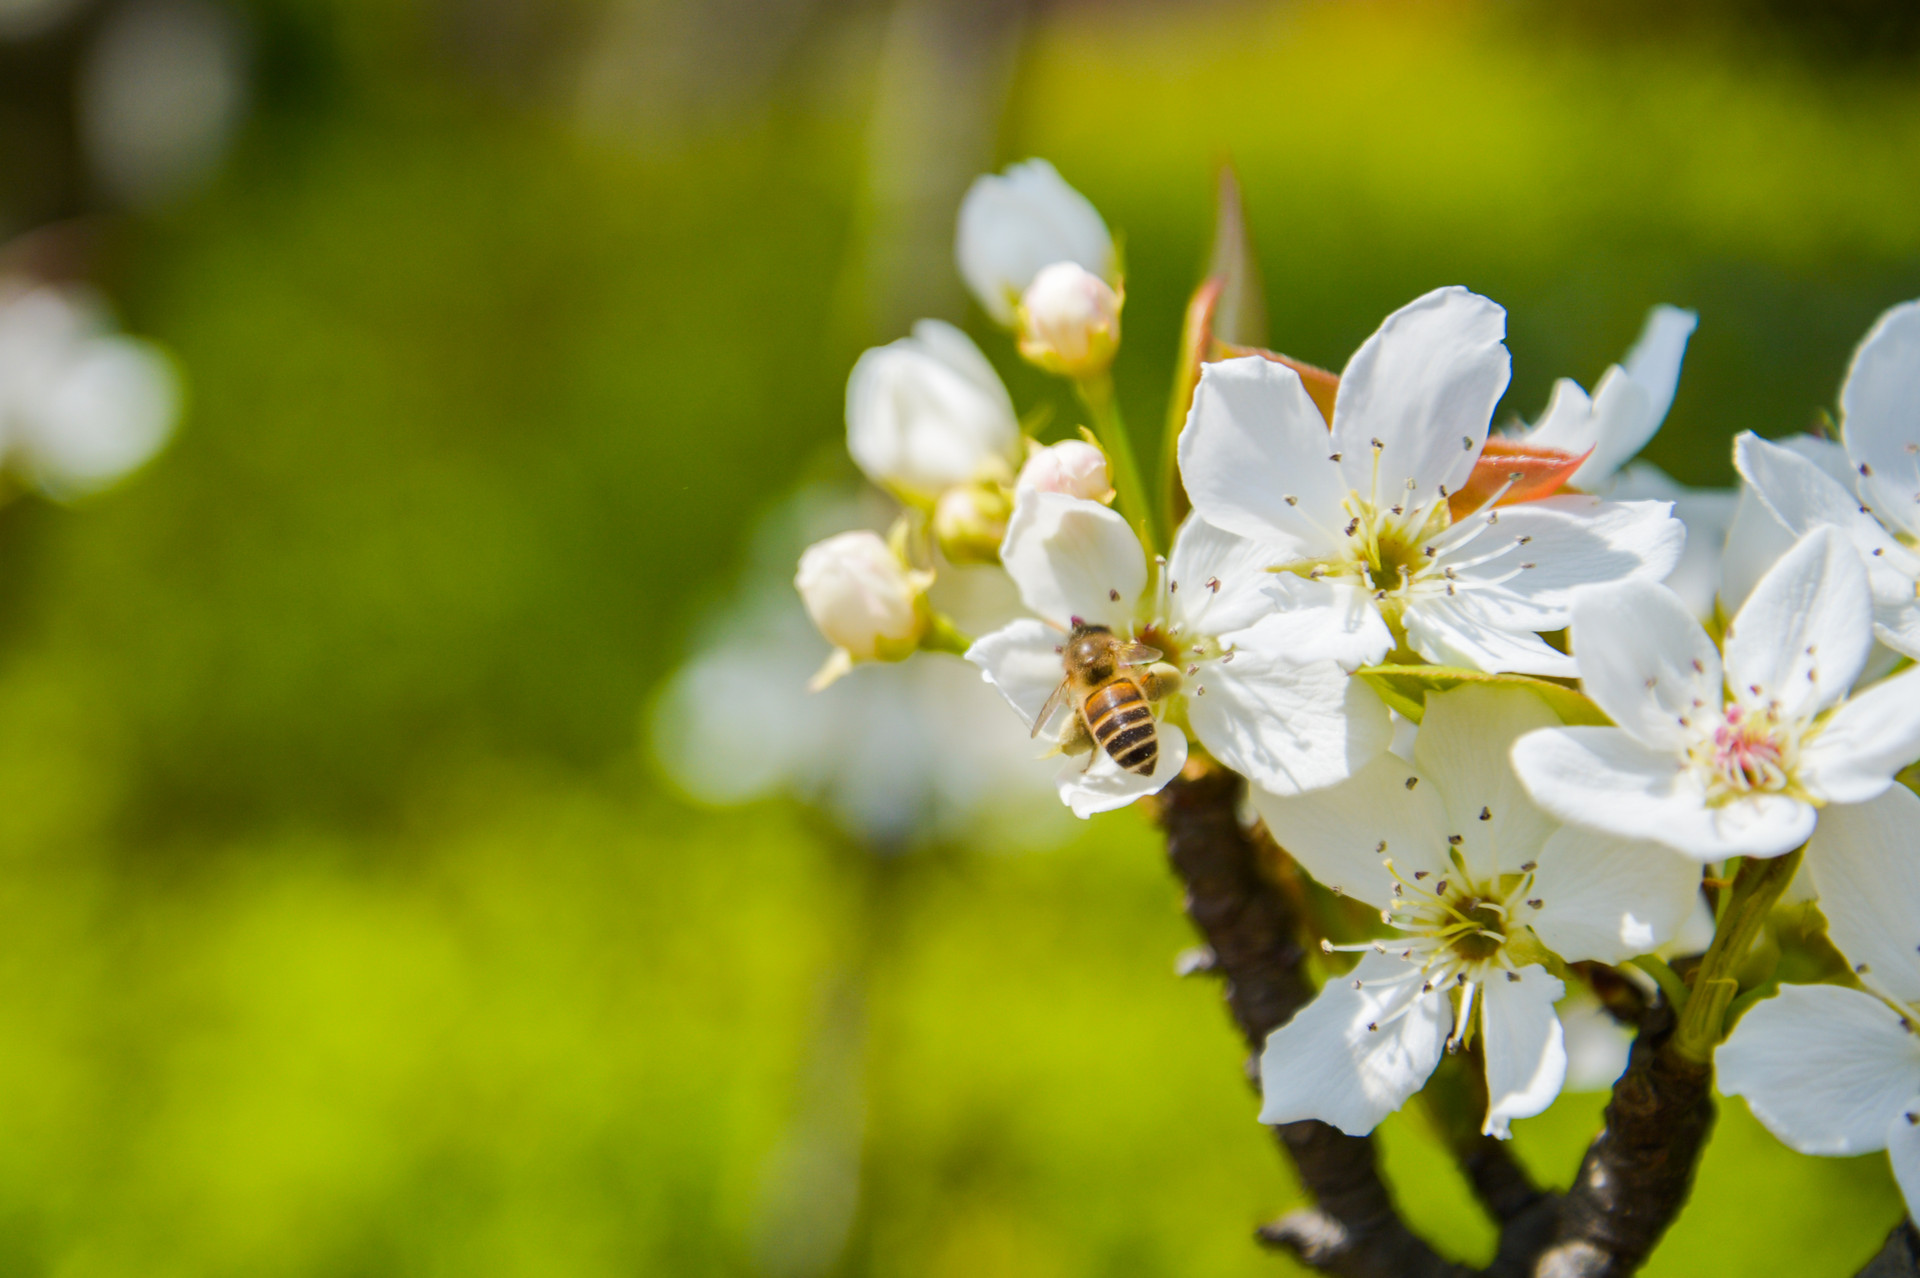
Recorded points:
(1524, 1046)
(1103, 785)
(1897, 625)
(1803, 496)
(1597, 1045)
(1073, 558)
(1804, 633)
(1822, 1067)
(1252, 440)
(1424, 385)
(1323, 621)
(1219, 580)
(1645, 660)
(1022, 661)
(1610, 899)
(1654, 359)
(1466, 737)
(1708, 514)
(1603, 779)
(1878, 419)
(1623, 422)
(1755, 541)
(1903, 1151)
(1865, 742)
(1629, 401)
(1338, 833)
(1567, 424)
(1326, 1064)
(1287, 727)
(1470, 629)
(1861, 860)
(1013, 224)
(1572, 542)
(928, 411)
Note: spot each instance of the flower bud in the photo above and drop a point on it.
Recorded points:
(1070, 321)
(1073, 467)
(927, 412)
(970, 522)
(1014, 224)
(863, 599)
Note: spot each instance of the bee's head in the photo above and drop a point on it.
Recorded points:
(1090, 650)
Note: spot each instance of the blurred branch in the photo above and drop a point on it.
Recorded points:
(1899, 1257)
(1632, 1183)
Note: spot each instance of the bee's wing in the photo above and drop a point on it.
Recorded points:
(1046, 711)
(1135, 654)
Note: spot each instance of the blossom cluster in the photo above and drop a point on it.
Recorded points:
(1520, 705)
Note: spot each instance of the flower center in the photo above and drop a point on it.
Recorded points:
(1748, 753)
(1481, 930)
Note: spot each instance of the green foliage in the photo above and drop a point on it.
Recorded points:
(345, 933)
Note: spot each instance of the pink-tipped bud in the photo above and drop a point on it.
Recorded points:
(863, 599)
(1070, 321)
(1073, 467)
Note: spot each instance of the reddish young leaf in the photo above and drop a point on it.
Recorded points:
(1526, 471)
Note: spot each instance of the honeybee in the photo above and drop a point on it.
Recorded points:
(1110, 694)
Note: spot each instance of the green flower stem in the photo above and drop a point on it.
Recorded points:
(1665, 977)
(1751, 898)
(1097, 394)
(941, 635)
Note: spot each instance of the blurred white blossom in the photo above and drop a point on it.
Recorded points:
(927, 412)
(81, 405)
(894, 753)
(1015, 224)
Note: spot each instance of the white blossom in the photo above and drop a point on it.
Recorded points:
(80, 404)
(1015, 224)
(1876, 502)
(1367, 504)
(1072, 466)
(927, 412)
(1836, 1071)
(1264, 664)
(1069, 321)
(1727, 760)
(1479, 887)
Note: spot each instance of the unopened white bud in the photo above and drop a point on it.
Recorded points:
(927, 412)
(1073, 467)
(1014, 224)
(863, 599)
(1070, 321)
(970, 522)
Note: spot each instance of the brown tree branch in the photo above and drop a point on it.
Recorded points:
(1632, 1182)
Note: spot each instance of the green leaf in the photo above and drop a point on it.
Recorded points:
(1405, 689)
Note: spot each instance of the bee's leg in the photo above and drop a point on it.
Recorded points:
(1078, 739)
(1160, 681)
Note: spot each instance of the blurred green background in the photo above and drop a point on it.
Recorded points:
(348, 926)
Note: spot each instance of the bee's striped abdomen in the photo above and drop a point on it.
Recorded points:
(1122, 724)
